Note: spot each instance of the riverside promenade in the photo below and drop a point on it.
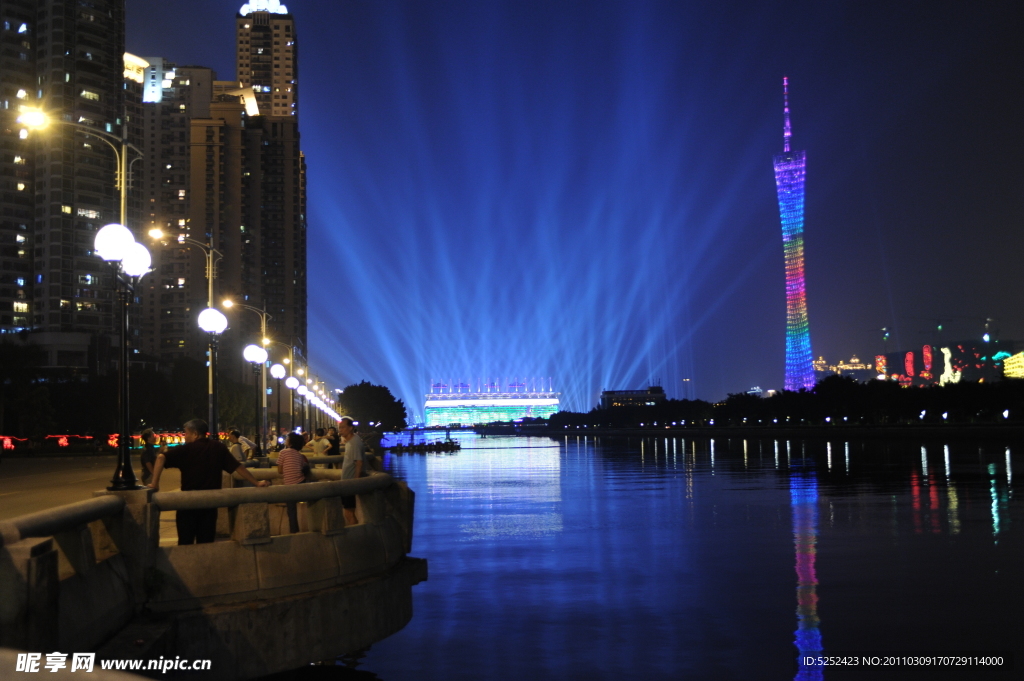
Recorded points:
(104, 575)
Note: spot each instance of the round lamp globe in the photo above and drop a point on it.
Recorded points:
(212, 320)
(112, 242)
(254, 354)
(136, 260)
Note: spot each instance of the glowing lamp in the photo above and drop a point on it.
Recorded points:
(212, 320)
(277, 371)
(156, 233)
(302, 390)
(112, 242)
(291, 382)
(33, 118)
(255, 354)
(136, 260)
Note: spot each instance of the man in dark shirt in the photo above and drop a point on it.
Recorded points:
(201, 461)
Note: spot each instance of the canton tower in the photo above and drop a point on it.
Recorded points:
(790, 170)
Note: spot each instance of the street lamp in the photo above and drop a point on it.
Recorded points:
(213, 322)
(292, 383)
(37, 120)
(277, 371)
(258, 357)
(130, 260)
(266, 341)
(212, 255)
(304, 392)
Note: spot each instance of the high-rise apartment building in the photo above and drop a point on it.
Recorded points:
(67, 59)
(191, 187)
(268, 56)
(17, 164)
(274, 215)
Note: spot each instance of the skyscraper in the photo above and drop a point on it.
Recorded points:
(274, 212)
(267, 56)
(790, 171)
(59, 188)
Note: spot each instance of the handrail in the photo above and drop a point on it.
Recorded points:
(54, 520)
(217, 498)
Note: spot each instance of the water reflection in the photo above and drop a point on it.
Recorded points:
(803, 494)
(671, 558)
(514, 491)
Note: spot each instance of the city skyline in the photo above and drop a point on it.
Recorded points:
(502, 177)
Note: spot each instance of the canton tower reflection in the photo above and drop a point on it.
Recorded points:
(803, 494)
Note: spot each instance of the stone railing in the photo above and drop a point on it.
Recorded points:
(76, 578)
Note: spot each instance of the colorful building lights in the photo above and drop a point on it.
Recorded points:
(790, 171)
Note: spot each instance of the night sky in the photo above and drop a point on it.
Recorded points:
(583, 190)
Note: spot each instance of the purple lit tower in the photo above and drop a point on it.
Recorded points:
(790, 170)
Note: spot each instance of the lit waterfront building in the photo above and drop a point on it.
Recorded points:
(447, 404)
(790, 171)
(1013, 366)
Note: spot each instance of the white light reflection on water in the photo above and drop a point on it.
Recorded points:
(952, 500)
(829, 451)
(1009, 473)
(924, 461)
(526, 472)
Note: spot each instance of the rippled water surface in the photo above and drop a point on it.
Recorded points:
(654, 558)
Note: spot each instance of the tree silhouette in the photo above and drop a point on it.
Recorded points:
(368, 403)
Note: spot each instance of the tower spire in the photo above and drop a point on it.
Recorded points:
(787, 132)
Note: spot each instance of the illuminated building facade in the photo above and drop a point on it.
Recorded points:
(57, 184)
(267, 56)
(1013, 366)
(449, 404)
(855, 368)
(967, 361)
(790, 171)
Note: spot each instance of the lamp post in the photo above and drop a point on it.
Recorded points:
(292, 384)
(37, 120)
(130, 261)
(304, 392)
(277, 371)
(211, 255)
(258, 357)
(265, 341)
(213, 322)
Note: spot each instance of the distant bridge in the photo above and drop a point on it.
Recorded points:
(92, 576)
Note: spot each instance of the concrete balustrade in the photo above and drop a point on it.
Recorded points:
(81, 577)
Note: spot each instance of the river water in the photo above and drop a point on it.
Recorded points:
(670, 558)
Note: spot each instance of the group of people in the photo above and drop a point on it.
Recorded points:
(201, 460)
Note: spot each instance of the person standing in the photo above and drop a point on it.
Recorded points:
(332, 437)
(352, 466)
(241, 447)
(148, 458)
(320, 443)
(291, 465)
(201, 461)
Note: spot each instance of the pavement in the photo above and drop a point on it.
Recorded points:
(34, 484)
